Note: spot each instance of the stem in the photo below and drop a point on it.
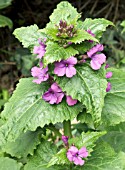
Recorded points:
(67, 128)
(56, 131)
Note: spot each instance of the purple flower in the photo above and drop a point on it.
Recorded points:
(65, 139)
(108, 87)
(107, 66)
(90, 32)
(96, 59)
(40, 50)
(108, 75)
(66, 67)
(75, 155)
(40, 73)
(54, 94)
(70, 101)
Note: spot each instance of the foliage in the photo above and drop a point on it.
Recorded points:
(5, 21)
(43, 108)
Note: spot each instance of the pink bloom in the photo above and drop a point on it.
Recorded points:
(54, 94)
(107, 66)
(108, 75)
(96, 59)
(108, 87)
(66, 67)
(65, 139)
(70, 101)
(40, 50)
(40, 74)
(75, 155)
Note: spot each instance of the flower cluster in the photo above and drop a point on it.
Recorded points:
(65, 30)
(54, 95)
(96, 59)
(74, 154)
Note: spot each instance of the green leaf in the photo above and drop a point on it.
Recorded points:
(28, 110)
(42, 156)
(59, 158)
(83, 47)
(81, 35)
(9, 164)
(104, 158)
(97, 26)
(89, 89)
(5, 3)
(114, 108)
(116, 140)
(29, 35)
(5, 21)
(64, 11)
(86, 139)
(85, 117)
(123, 24)
(24, 145)
(54, 52)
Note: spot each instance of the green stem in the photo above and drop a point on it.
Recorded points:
(67, 128)
(56, 131)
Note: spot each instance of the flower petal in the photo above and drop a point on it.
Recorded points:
(69, 156)
(70, 101)
(108, 87)
(97, 61)
(95, 49)
(59, 97)
(35, 71)
(60, 71)
(53, 99)
(56, 88)
(83, 153)
(37, 81)
(70, 71)
(73, 150)
(72, 61)
(108, 75)
(78, 161)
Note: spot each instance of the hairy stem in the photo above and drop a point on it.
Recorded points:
(67, 128)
